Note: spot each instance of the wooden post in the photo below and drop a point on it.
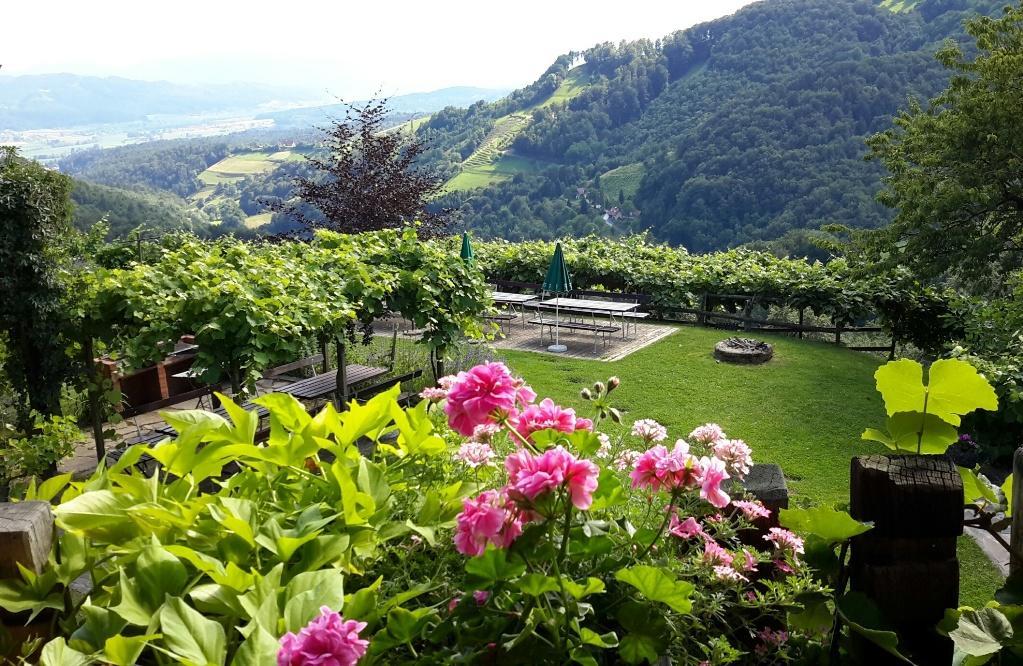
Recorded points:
(895, 341)
(747, 314)
(1016, 537)
(26, 535)
(394, 347)
(341, 395)
(439, 371)
(907, 563)
(325, 366)
(701, 317)
(802, 311)
(838, 334)
(95, 409)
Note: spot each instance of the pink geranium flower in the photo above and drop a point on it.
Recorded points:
(708, 433)
(475, 454)
(714, 554)
(752, 510)
(533, 475)
(713, 474)
(327, 639)
(545, 416)
(737, 455)
(433, 394)
(490, 518)
(729, 574)
(686, 529)
(649, 430)
(785, 542)
(659, 468)
(485, 394)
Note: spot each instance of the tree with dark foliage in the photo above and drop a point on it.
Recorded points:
(368, 180)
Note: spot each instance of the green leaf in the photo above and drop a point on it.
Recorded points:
(259, 649)
(191, 637)
(57, 653)
(863, 617)
(976, 488)
(908, 431)
(954, 388)
(490, 568)
(536, 584)
(308, 592)
(816, 617)
(1007, 491)
(125, 650)
(658, 585)
(829, 524)
(99, 514)
(638, 648)
(405, 626)
(158, 574)
(981, 632)
(50, 488)
(589, 586)
(590, 637)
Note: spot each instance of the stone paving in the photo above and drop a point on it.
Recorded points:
(526, 337)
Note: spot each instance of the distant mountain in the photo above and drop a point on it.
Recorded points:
(749, 128)
(68, 100)
(412, 103)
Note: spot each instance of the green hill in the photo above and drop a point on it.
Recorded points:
(747, 128)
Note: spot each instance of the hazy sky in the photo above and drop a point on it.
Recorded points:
(345, 48)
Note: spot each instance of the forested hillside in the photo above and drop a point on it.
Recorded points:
(747, 128)
(125, 210)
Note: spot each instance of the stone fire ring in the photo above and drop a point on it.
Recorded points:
(743, 350)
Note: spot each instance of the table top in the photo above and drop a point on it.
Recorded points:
(510, 297)
(587, 304)
(322, 384)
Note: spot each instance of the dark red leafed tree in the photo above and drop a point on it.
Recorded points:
(368, 180)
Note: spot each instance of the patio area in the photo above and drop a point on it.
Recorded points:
(526, 337)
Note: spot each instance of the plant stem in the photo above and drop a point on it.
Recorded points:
(923, 421)
(664, 523)
(839, 590)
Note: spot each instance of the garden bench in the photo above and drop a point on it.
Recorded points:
(599, 330)
(282, 370)
(405, 398)
(502, 320)
(324, 384)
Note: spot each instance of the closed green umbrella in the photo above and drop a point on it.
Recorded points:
(558, 281)
(467, 253)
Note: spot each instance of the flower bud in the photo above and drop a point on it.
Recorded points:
(585, 394)
(598, 387)
(612, 383)
(615, 415)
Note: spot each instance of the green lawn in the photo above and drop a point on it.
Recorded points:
(625, 179)
(804, 410)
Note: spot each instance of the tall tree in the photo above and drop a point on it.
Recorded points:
(956, 166)
(369, 179)
(35, 214)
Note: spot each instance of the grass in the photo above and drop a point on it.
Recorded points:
(804, 410)
(503, 168)
(575, 82)
(254, 221)
(624, 179)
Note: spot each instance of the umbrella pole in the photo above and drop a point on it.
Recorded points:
(557, 347)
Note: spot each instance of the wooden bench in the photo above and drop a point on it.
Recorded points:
(599, 330)
(405, 398)
(503, 320)
(281, 370)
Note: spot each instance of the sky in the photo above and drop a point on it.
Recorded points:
(329, 47)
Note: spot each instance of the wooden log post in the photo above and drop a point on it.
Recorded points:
(1016, 536)
(701, 316)
(323, 352)
(907, 563)
(341, 394)
(747, 314)
(802, 313)
(94, 393)
(838, 334)
(26, 537)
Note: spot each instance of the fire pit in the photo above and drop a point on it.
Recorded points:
(743, 350)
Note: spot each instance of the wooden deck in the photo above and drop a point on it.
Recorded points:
(580, 343)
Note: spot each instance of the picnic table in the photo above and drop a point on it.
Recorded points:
(510, 300)
(594, 308)
(326, 383)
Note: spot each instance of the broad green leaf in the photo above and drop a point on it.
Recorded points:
(405, 626)
(658, 585)
(57, 653)
(361, 605)
(158, 574)
(590, 637)
(259, 649)
(198, 419)
(191, 637)
(99, 624)
(50, 488)
(981, 632)
(536, 584)
(609, 491)
(135, 606)
(829, 524)
(492, 567)
(954, 388)
(863, 617)
(976, 488)
(908, 431)
(308, 592)
(816, 617)
(99, 514)
(245, 422)
(638, 648)
(125, 650)
(581, 590)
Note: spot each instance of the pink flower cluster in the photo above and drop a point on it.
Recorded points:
(475, 454)
(737, 456)
(328, 639)
(708, 433)
(784, 542)
(490, 518)
(549, 416)
(658, 468)
(752, 510)
(485, 394)
(533, 475)
(649, 431)
(770, 640)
